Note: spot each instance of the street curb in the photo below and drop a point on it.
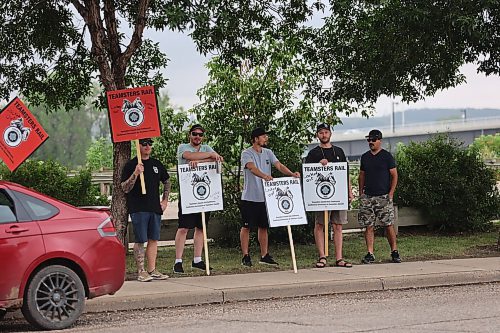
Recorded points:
(154, 301)
(207, 295)
(227, 295)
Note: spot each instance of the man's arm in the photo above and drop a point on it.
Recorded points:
(361, 182)
(394, 182)
(255, 171)
(166, 191)
(201, 156)
(128, 184)
(284, 170)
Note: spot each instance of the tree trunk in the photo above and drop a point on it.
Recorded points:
(121, 154)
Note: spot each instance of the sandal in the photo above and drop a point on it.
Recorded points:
(342, 263)
(321, 263)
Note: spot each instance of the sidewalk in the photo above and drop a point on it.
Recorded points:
(308, 282)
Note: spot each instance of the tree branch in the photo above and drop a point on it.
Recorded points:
(99, 49)
(112, 29)
(140, 24)
(80, 8)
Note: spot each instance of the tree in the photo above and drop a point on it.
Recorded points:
(262, 93)
(50, 51)
(409, 49)
(71, 132)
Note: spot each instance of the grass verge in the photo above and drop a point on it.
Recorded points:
(412, 247)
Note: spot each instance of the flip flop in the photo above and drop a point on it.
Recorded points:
(321, 263)
(342, 263)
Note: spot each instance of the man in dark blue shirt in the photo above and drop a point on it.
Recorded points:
(378, 178)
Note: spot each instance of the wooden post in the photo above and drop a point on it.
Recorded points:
(139, 160)
(205, 242)
(327, 238)
(292, 249)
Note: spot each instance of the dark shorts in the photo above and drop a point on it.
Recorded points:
(146, 225)
(191, 221)
(253, 214)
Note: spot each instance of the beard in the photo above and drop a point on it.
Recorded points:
(372, 146)
(324, 140)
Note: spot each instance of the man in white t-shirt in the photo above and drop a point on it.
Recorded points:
(192, 153)
(257, 162)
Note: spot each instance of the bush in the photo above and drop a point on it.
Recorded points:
(51, 178)
(450, 185)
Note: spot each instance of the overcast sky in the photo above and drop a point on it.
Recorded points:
(186, 73)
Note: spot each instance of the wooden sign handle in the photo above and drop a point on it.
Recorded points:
(205, 242)
(326, 233)
(292, 249)
(139, 160)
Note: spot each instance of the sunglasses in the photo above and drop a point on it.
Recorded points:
(146, 143)
(372, 139)
(200, 134)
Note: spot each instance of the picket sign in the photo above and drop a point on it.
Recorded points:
(325, 189)
(133, 114)
(200, 192)
(285, 207)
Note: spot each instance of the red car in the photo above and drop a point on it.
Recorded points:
(53, 256)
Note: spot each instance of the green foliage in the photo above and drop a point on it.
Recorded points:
(488, 146)
(51, 178)
(100, 155)
(410, 49)
(450, 185)
(173, 120)
(261, 93)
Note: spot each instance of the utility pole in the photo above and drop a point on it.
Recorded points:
(393, 119)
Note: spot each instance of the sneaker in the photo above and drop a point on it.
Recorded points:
(268, 260)
(157, 275)
(395, 256)
(368, 259)
(246, 261)
(144, 277)
(200, 265)
(178, 268)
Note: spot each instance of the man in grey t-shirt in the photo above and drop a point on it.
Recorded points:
(257, 162)
(192, 153)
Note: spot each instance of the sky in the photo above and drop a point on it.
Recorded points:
(187, 73)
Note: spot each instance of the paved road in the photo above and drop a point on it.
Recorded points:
(474, 308)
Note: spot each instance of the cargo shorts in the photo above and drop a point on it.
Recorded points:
(373, 208)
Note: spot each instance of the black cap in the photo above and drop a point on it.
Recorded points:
(374, 133)
(146, 140)
(323, 126)
(258, 132)
(197, 126)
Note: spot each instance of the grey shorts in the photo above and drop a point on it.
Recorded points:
(374, 208)
(335, 217)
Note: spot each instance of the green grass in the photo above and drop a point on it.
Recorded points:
(412, 247)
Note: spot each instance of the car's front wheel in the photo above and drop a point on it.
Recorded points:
(54, 299)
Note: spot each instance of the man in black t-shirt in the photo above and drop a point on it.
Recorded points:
(146, 209)
(324, 153)
(378, 178)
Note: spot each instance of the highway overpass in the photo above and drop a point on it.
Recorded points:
(354, 144)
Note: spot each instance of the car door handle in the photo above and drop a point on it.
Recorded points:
(13, 230)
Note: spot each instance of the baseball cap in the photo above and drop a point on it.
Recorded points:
(374, 133)
(258, 132)
(196, 126)
(146, 140)
(323, 126)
